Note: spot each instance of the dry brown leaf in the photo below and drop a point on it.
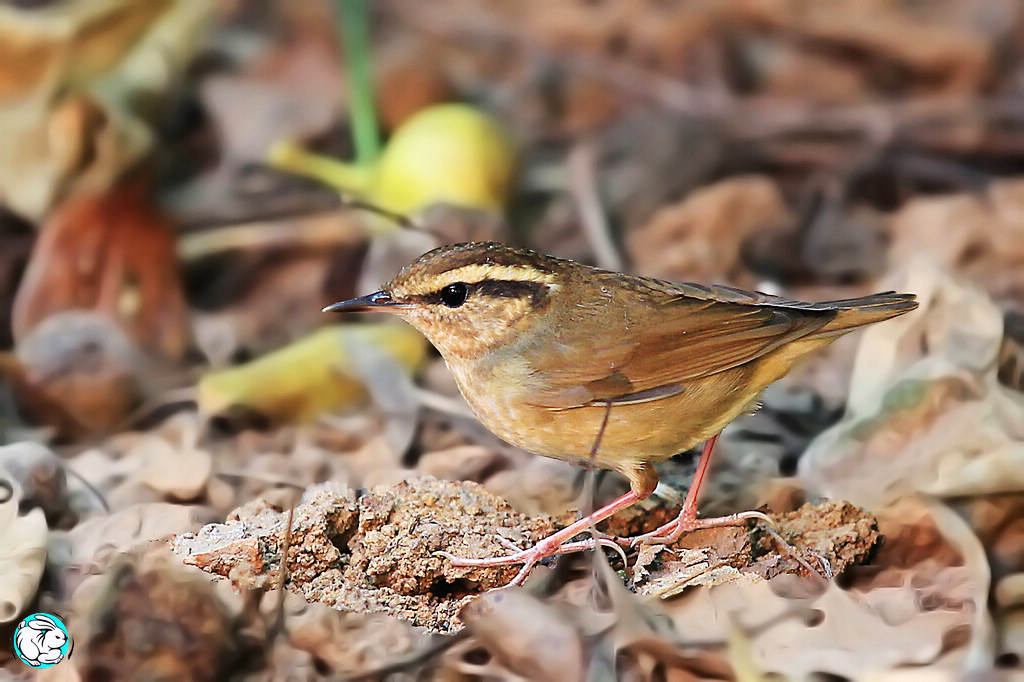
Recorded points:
(180, 473)
(149, 617)
(834, 632)
(785, 70)
(346, 642)
(463, 463)
(978, 236)
(942, 50)
(701, 237)
(72, 79)
(112, 252)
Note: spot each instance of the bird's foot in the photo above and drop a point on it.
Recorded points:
(550, 546)
(674, 529)
(556, 544)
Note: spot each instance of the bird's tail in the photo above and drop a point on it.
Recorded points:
(857, 312)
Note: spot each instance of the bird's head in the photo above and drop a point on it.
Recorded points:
(467, 298)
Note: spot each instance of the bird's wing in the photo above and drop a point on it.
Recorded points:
(689, 331)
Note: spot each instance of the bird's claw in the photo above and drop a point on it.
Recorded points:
(532, 556)
(674, 529)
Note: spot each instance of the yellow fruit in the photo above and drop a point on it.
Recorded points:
(447, 153)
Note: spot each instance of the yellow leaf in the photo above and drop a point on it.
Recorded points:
(313, 375)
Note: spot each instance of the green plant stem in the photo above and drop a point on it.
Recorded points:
(354, 19)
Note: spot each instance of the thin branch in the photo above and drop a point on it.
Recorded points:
(583, 180)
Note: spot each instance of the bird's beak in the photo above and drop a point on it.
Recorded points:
(380, 300)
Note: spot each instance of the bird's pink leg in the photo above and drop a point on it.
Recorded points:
(687, 519)
(554, 544)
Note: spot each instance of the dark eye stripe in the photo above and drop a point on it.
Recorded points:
(497, 288)
(507, 288)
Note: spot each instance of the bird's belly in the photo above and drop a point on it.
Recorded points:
(636, 433)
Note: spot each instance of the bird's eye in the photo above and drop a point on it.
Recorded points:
(454, 295)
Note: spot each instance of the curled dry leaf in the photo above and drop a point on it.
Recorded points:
(799, 633)
(22, 550)
(112, 252)
(374, 552)
(316, 374)
(632, 637)
(344, 641)
(926, 411)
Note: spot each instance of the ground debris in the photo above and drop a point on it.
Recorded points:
(371, 551)
(377, 550)
(828, 537)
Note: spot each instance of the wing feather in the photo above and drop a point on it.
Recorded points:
(690, 331)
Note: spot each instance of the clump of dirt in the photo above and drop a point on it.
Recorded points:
(377, 550)
(373, 551)
(837, 532)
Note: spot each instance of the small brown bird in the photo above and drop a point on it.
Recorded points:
(549, 353)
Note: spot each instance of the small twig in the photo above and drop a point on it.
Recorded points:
(588, 485)
(399, 219)
(584, 189)
(90, 487)
(794, 553)
(676, 588)
(316, 230)
(441, 403)
(408, 661)
(278, 626)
